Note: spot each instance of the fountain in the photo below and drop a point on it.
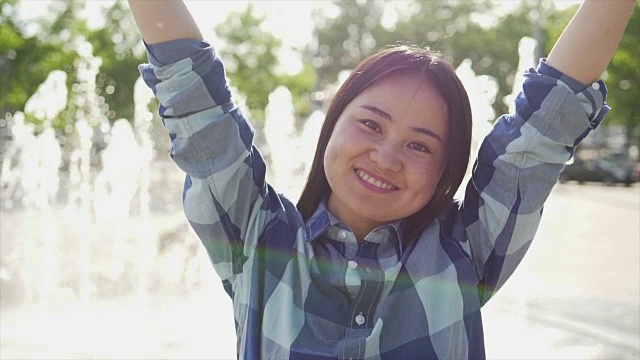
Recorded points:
(88, 115)
(102, 248)
(290, 151)
(30, 177)
(527, 60)
(30, 166)
(279, 133)
(18, 153)
(482, 90)
(142, 122)
(114, 189)
(307, 144)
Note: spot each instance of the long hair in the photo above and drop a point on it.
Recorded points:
(436, 72)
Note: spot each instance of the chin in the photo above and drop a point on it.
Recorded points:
(377, 217)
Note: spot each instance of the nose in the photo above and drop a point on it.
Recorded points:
(386, 156)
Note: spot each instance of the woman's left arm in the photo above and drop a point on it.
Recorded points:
(519, 162)
(588, 43)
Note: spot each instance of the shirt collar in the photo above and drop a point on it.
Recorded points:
(319, 222)
(322, 221)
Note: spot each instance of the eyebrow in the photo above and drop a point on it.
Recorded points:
(386, 116)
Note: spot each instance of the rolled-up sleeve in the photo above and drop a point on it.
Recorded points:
(519, 163)
(225, 192)
(186, 76)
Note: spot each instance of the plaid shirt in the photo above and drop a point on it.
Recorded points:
(309, 289)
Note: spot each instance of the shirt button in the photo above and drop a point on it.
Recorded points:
(342, 234)
(360, 319)
(595, 86)
(352, 265)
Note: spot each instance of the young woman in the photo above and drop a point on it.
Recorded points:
(376, 260)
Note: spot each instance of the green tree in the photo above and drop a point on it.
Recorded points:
(301, 85)
(344, 40)
(119, 45)
(12, 41)
(622, 75)
(494, 50)
(249, 54)
(26, 61)
(624, 79)
(448, 27)
(63, 22)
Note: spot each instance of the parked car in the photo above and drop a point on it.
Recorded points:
(607, 171)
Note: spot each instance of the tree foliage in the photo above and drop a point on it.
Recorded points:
(344, 40)
(448, 27)
(622, 75)
(250, 56)
(344, 35)
(624, 78)
(119, 45)
(26, 61)
(354, 29)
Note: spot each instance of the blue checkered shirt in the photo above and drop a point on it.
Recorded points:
(308, 289)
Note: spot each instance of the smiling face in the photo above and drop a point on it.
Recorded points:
(386, 153)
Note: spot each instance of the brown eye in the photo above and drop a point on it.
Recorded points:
(420, 147)
(371, 125)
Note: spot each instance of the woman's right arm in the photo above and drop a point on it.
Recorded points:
(225, 197)
(161, 21)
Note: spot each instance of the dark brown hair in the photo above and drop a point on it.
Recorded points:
(439, 74)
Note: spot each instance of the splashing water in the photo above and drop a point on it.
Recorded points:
(14, 171)
(291, 152)
(71, 258)
(482, 90)
(30, 167)
(527, 59)
(96, 212)
(279, 132)
(50, 98)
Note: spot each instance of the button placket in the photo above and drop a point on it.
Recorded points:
(361, 313)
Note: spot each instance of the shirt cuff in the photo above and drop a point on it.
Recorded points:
(592, 97)
(169, 52)
(186, 76)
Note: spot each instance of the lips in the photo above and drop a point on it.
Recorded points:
(377, 183)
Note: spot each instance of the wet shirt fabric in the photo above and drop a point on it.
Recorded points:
(308, 289)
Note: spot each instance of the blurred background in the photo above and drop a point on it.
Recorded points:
(97, 260)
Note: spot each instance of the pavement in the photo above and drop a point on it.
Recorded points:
(575, 296)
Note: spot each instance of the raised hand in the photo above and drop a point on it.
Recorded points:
(588, 43)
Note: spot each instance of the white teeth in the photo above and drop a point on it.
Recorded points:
(374, 182)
